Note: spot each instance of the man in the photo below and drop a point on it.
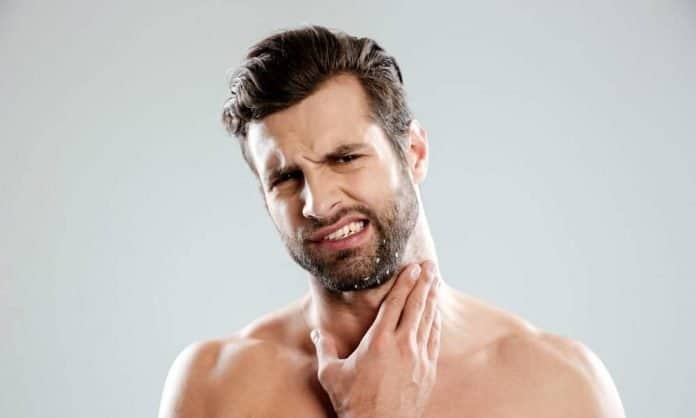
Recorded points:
(324, 125)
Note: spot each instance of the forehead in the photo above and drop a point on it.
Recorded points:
(337, 113)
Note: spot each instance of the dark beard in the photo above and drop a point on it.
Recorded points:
(358, 269)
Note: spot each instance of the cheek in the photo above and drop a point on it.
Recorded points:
(281, 213)
(395, 176)
(373, 183)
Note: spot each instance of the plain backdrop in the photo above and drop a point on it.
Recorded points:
(561, 185)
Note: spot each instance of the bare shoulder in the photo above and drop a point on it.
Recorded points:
(205, 370)
(551, 375)
(562, 371)
(234, 376)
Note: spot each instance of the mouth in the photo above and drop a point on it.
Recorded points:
(351, 234)
(346, 231)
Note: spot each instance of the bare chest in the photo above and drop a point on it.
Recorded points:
(459, 392)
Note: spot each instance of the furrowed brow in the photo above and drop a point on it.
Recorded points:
(344, 149)
(338, 152)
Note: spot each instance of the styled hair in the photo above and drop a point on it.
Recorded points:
(286, 67)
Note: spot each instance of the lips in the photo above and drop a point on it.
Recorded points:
(345, 242)
(319, 235)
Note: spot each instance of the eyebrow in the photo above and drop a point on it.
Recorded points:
(340, 151)
(344, 149)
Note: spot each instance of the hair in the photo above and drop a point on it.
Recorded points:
(286, 67)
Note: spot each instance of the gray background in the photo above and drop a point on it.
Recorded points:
(561, 185)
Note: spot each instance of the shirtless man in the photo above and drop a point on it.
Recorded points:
(325, 127)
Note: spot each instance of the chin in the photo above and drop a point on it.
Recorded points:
(351, 282)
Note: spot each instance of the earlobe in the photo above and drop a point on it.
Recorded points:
(418, 151)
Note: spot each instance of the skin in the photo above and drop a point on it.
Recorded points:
(406, 348)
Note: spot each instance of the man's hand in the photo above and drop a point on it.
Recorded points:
(392, 371)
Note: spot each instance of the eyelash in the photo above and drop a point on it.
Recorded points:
(349, 157)
(284, 177)
(287, 176)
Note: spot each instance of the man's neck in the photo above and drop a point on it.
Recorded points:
(347, 316)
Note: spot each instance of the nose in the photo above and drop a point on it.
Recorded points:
(321, 197)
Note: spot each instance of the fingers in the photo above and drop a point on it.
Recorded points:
(392, 306)
(426, 323)
(326, 350)
(434, 337)
(416, 303)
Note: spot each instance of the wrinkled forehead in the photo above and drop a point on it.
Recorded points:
(270, 151)
(337, 113)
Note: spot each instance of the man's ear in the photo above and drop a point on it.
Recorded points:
(417, 152)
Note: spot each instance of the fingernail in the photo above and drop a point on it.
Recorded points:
(415, 271)
(314, 335)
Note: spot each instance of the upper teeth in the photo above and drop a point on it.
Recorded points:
(349, 229)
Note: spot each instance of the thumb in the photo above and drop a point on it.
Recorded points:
(326, 349)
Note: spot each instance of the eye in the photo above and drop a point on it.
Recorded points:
(290, 175)
(347, 158)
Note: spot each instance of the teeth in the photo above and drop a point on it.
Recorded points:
(347, 230)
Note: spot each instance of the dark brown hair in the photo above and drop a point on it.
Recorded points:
(286, 67)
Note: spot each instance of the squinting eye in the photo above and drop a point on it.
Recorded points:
(285, 177)
(347, 158)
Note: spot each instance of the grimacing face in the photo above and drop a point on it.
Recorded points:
(342, 201)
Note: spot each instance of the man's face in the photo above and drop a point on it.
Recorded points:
(342, 201)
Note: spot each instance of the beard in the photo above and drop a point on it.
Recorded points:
(371, 264)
